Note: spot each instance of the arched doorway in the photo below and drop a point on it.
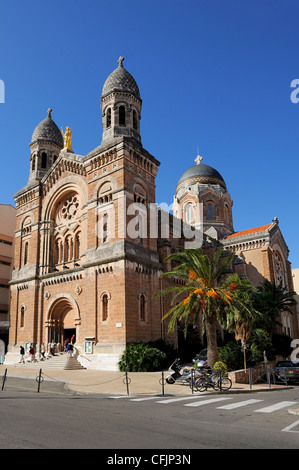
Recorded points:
(63, 319)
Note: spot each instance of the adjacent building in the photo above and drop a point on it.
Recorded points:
(7, 229)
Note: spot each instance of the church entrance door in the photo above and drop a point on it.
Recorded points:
(61, 323)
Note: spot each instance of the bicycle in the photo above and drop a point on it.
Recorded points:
(212, 380)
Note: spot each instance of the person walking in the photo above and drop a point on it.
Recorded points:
(69, 350)
(52, 347)
(32, 354)
(22, 354)
(42, 351)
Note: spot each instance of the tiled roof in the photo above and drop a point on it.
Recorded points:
(250, 231)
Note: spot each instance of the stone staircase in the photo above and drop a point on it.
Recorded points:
(59, 361)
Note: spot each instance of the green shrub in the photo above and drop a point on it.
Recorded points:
(220, 365)
(141, 357)
(232, 355)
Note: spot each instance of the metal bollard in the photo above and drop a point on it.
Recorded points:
(127, 380)
(249, 378)
(39, 380)
(192, 380)
(4, 379)
(163, 382)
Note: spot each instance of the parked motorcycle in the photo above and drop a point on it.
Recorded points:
(177, 375)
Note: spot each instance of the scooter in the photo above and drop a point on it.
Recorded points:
(175, 374)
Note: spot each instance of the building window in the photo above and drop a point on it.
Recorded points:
(26, 253)
(105, 227)
(33, 163)
(210, 211)
(44, 160)
(104, 307)
(108, 118)
(142, 301)
(134, 119)
(22, 318)
(188, 213)
(122, 116)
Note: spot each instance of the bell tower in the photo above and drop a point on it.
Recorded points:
(120, 105)
(45, 146)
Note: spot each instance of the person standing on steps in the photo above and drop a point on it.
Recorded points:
(69, 350)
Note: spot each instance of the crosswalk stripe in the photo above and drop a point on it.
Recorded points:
(172, 400)
(205, 402)
(231, 406)
(144, 399)
(276, 406)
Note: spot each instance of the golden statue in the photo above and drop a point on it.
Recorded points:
(67, 138)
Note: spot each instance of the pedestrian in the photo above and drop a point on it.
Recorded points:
(65, 344)
(42, 351)
(69, 350)
(32, 354)
(52, 347)
(22, 354)
(73, 340)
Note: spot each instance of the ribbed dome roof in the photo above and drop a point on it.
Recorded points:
(48, 130)
(201, 173)
(120, 80)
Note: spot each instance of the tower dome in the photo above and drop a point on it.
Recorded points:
(202, 200)
(121, 106)
(120, 80)
(200, 173)
(48, 130)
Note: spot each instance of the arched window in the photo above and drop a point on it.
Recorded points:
(105, 227)
(142, 307)
(26, 253)
(44, 160)
(188, 213)
(33, 163)
(122, 116)
(210, 211)
(108, 118)
(22, 317)
(105, 301)
(77, 246)
(134, 119)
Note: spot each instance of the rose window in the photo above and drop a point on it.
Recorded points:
(70, 208)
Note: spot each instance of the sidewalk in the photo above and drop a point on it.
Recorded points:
(88, 381)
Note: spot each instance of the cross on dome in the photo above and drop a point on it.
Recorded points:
(198, 160)
(120, 61)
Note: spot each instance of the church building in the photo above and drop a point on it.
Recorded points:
(90, 242)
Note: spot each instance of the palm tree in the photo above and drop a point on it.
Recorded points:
(271, 300)
(238, 317)
(201, 292)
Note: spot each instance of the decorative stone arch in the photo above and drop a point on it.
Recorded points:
(109, 180)
(68, 184)
(135, 182)
(142, 306)
(105, 298)
(60, 306)
(279, 265)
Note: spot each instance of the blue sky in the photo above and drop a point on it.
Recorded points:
(213, 75)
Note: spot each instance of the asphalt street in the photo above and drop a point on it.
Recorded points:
(57, 419)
